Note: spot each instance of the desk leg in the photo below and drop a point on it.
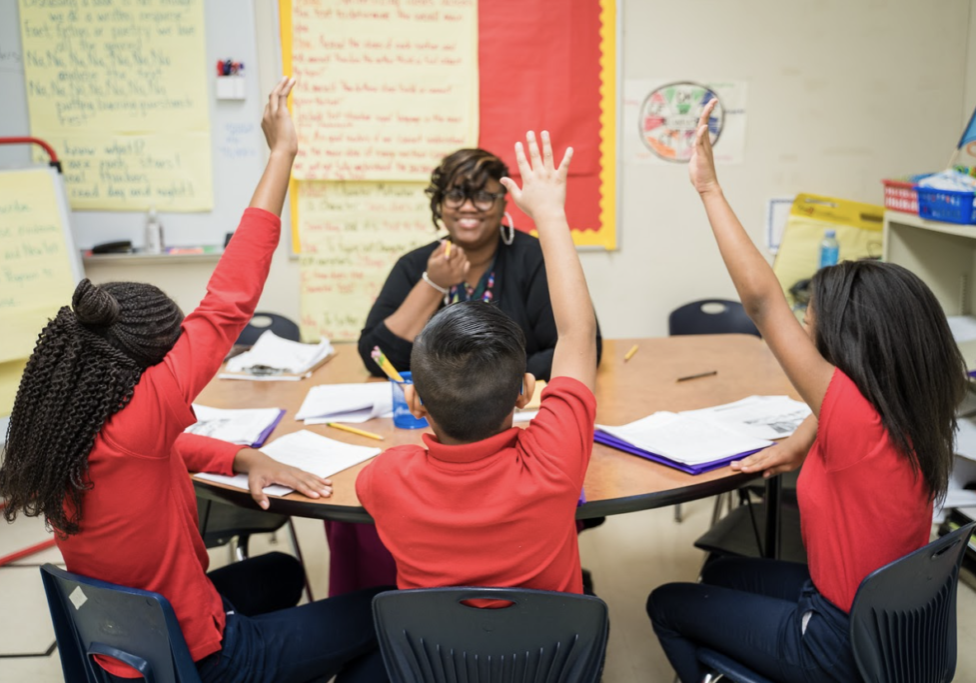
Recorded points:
(773, 489)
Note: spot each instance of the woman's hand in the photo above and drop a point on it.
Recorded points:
(701, 168)
(543, 191)
(264, 471)
(279, 130)
(785, 456)
(446, 271)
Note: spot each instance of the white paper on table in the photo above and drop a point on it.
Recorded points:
(272, 351)
(305, 450)
(264, 378)
(763, 417)
(333, 400)
(524, 415)
(685, 438)
(353, 417)
(236, 426)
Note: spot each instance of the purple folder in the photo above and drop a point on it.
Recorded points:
(263, 436)
(612, 441)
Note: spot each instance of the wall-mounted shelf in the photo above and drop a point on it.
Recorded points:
(137, 258)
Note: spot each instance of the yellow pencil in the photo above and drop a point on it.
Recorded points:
(353, 430)
(447, 249)
(385, 365)
(630, 354)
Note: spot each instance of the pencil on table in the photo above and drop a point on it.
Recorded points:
(630, 354)
(385, 365)
(353, 430)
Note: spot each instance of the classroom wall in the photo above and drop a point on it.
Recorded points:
(841, 94)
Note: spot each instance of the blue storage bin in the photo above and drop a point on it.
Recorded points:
(950, 206)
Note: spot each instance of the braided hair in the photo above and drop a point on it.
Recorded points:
(83, 370)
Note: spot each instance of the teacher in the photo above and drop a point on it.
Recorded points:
(482, 258)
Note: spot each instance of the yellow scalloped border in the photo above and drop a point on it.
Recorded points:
(606, 236)
(285, 26)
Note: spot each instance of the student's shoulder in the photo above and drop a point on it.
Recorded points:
(567, 399)
(398, 458)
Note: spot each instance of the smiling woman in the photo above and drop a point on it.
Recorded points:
(482, 257)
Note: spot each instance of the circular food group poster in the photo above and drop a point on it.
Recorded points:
(669, 117)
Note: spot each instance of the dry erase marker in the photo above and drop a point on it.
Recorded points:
(630, 354)
(353, 430)
(698, 376)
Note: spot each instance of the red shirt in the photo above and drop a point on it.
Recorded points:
(139, 519)
(861, 506)
(498, 512)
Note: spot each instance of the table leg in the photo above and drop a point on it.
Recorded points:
(773, 490)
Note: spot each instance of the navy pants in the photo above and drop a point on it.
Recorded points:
(267, 639)
(753, 611)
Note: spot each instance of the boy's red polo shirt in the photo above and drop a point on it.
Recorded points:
(498, 512)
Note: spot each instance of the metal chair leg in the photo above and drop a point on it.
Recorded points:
(298, 554)
(677, 513)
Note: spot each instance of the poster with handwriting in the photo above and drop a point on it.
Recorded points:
(118, 88)
(36, 271)
(352, 233)
(386, 88)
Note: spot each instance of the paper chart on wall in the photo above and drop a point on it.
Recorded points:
(387, 88)
(661, 116)
(118, 89)
(351, 235)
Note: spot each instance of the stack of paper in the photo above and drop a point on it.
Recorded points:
(248, 427)
(274, 358)
(697, 441)
(307, 451)
(352, 403)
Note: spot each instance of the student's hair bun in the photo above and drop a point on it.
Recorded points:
(93, 305)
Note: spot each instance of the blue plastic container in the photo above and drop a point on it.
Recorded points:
(949, 206)
(401, 412)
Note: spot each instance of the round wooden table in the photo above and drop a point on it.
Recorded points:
(616, 482)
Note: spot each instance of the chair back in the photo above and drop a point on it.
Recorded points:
(136, 627)
(262, 322)
(711, 316)
(220, 522)
(903, 620)
(431, 636)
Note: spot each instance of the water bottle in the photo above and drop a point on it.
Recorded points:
(829, 249)
(154, 234)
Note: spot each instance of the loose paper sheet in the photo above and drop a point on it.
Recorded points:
(118, 89)
(351, 235)
(36, 276)
(387, 89)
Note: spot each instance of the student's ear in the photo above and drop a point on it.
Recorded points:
(528, 388)
(414, 403)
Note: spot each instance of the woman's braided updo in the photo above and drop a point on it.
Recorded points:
(83, 370)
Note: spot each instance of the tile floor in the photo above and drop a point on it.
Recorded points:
(628, 556)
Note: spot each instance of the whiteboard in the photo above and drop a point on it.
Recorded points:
(236, 138)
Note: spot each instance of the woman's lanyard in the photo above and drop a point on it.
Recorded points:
(482, 290)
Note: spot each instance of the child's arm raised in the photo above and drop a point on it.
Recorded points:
(758, 288)
(542, 197)
(279, 131)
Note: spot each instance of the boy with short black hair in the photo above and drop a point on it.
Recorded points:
(486, 504)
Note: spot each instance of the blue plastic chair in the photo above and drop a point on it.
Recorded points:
(697, 317)
(430, 636)
(134, 626)
(903, 619)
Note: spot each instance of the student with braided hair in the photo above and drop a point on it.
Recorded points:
(96, 446)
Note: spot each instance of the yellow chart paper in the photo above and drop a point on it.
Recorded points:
(386, 89)
(118, 88)
(352, 233)
(35, 271)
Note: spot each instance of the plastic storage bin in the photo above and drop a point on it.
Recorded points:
(949, 206)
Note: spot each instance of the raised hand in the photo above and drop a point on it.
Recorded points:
(543, 191)
(279, 130)
(701, 167)
(447, 270)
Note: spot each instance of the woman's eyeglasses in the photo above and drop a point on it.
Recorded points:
(482, 199)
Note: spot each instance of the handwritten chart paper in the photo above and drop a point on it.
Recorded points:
(117, 87)
(387, 88)
(35, 269)
(351, 234)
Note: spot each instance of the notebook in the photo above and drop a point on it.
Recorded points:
(352, 403)
(248, 427)
(274, 359)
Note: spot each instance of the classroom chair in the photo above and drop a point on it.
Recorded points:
(432, 635)
(134, 626)
(709, 316)
(903, 620)
(261, 322)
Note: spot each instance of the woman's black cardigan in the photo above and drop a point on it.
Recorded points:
(521, 290)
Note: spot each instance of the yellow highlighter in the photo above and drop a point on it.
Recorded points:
(385, 365)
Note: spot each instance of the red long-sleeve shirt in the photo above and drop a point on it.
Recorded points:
(139, 519)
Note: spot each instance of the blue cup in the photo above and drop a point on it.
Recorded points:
(401, 412)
